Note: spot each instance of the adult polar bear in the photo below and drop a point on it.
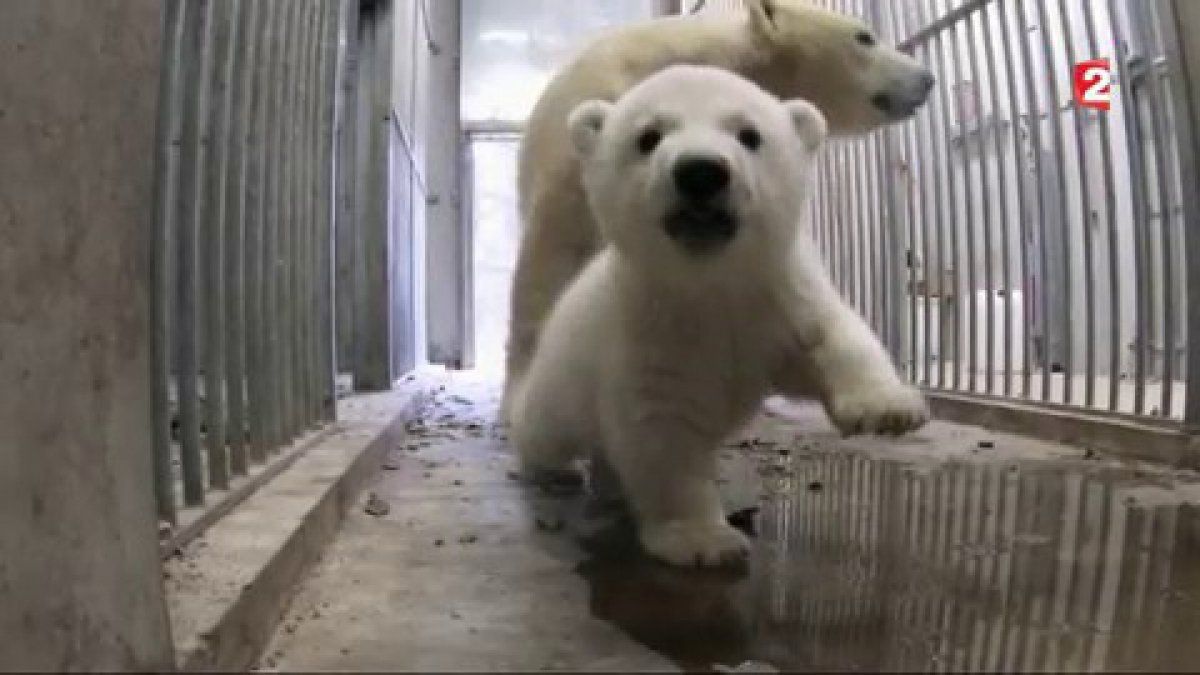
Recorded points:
(791, 48)
(708, 297)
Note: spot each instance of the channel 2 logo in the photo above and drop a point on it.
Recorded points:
(1093, 84)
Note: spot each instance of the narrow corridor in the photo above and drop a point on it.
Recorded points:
(957, 548)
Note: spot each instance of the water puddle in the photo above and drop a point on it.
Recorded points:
(867, 564)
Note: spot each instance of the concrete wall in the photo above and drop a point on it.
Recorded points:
(447, 248)
(80, 581)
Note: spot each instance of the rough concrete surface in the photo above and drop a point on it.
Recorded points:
(79, 573)
(226, 589)
(955, 548)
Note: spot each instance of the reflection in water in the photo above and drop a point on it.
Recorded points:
(864, 565)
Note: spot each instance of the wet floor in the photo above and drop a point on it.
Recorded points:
(958, 549)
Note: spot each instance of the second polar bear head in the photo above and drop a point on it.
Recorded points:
(696, 166)
(835, 60)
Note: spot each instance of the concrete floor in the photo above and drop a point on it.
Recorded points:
(954, 549)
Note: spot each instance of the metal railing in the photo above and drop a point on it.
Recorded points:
(1008, 242)
(242, 237)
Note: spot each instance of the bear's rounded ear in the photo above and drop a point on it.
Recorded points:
(809, 122)
(763, 17)
(585, 123)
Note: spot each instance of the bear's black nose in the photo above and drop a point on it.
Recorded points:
(700, 178)
(927, 81)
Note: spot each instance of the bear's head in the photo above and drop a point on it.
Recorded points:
(698, 167)
(837, 62)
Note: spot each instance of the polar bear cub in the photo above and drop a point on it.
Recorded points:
(709, 297)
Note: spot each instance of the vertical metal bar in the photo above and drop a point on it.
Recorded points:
(952, 221)
(236, 192)
(1140, 208)
(257, 195)
(1158, 130)
(968, 222)
(292, 164)
(303, 225)
(327, 56)
(925, 183)
(816, 222)
(832, 200)
(895, 19)
(337, 109)
(272, 237)
(1023, 209)
(1035, 140)
(1089, 270)
(312, 256)
(937, 136)
(845, 230)
(1182, 49)
(293, 339)
(862, 225)
(1060, 173)
(288, 166)
(312, 404)
(1002, 198)
(327, 177)
(164, 255)
(213, 237)
(887, 258)
(883, 282)
(984, 206)
(191, 205)
(1110, 207)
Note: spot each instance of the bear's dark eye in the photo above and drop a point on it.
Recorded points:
(865, 38)
(750, 138)
(648, 140)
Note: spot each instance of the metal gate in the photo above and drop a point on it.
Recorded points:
(1009, 242)
(242, 239)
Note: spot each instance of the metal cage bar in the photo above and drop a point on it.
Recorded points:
(1045, 248)
(249, 132)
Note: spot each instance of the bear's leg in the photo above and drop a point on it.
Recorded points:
(668, 474)
(851, 372)
(837, 358)
(557, 244)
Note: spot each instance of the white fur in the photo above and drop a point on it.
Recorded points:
(791, 48)
(657, 353)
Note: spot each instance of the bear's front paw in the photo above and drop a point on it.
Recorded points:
(894, 409)
(693, 544)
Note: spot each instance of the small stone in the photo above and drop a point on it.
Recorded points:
(390, 466)
(344, 651)
(468, 539)
(816, 486)
(376, 506)
(457, 482)
(439, 542)
(987, 445)
(1089, 453)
